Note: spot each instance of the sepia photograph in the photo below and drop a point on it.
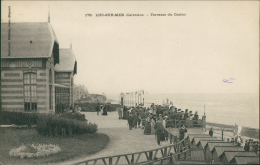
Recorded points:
(129, 82)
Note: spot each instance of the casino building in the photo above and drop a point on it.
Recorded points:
(36, 75)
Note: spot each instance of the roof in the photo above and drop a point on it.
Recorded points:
(231, 154)
(205, 142)
(197, 155)
(191, 137)
(221, 149)
(68, 62)
(196, 140)
(211, 145)
(28, 40)
(245, 160)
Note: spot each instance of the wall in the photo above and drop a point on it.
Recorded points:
(12, 88)
(223, 159)
(215, 157)
(208, 155)
(12, 96)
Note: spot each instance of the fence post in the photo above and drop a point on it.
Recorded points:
(150, 155)
(133, 158)
(173, 161)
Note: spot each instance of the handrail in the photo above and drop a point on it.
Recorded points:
(164, 150)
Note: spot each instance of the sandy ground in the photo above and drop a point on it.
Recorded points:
(122, 140)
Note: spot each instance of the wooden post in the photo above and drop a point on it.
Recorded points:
(110, 161)
(173, 161)
(150, 155)
(165, 152)
(133, 158)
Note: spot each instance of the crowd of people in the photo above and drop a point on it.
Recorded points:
(251, 145)
(156, 118)
(173, 117)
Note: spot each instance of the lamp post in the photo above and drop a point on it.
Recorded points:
(222, 130)
(121, 99)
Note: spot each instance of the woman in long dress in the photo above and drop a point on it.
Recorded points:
(153, 121)
(147, 128)
(105, 110)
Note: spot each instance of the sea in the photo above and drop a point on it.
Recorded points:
(240, 108)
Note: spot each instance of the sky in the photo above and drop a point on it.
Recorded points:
(216, 41)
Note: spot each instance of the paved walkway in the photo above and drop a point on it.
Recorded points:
(122, 140)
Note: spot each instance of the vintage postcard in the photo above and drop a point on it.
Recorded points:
(129, 82)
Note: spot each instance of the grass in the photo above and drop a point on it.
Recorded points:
(82, 145)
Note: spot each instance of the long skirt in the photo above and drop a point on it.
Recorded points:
(159, 136)
(147, 128)
(135, 122)
(152, 128)
(104, 112)
(124, 114)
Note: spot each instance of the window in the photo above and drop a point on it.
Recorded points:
(50, 101)
(30, 91)
(50, 89)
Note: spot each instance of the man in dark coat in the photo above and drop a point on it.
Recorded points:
(211, 132)
(98, 109)
(182, 133)
(124, 113)
(135, 119)
(159, 131)
(130, 121)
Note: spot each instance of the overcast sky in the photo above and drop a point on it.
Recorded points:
(184, 54)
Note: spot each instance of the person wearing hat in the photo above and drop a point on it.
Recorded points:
(159, 131)
(165, 126)
(153, 121)
(182, 133)
(195, 119)
(211, 132)
(147, 127)
(135, 117)
(130, 121)
(186, 114)
(120, 112)
(98, 109)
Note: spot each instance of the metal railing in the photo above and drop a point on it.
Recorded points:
(168, 154)
(178, 123)
(188, 123)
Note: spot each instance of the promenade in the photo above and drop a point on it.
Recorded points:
(122, 140)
